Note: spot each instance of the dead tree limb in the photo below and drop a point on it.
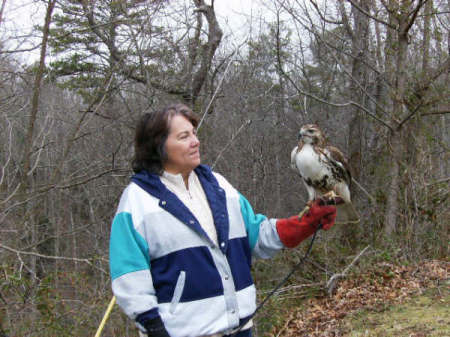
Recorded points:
(19, 253)
(332, 282)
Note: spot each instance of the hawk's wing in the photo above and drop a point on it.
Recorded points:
(338, 159)
(346, 213)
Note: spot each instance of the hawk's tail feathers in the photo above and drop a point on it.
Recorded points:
(347, 214)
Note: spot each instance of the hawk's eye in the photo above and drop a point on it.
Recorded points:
(310, 131)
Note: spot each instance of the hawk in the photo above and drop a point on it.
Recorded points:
(324, 171)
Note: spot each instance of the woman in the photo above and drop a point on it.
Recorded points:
(183, 238)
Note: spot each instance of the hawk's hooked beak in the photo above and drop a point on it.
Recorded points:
(300, 135)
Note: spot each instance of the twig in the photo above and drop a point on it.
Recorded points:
(293, 288)
(365, 191)
(217, 89)
(331, 284)
(284, 327)
(12, 194)
(18, 252)
(245, 124)
(444, 180)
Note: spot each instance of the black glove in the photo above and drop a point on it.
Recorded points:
(155, 327)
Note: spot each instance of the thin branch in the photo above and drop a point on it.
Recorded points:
(437, 112)
(24, 265)
(283, 73)
(2, 175)
(354, 4)
(365, 191)
(247, 123)
(341, 105)
(424, 85)
(217, 89)
(314, 3)
(12, 194)
(45, 131)
(20, 50)
(82, 182)
(444, 180)
(369, 96)
(51, 237)
(65, 258)
(423, 88)
(331, 284)
(409, 116)
(58, 170)
(4, 212)
(414, 14)
(293, 287)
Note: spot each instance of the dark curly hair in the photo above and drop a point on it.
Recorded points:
(151, 135)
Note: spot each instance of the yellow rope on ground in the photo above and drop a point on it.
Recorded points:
(105, 316)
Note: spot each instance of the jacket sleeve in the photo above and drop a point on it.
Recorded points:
(261, 231)
(130, 265)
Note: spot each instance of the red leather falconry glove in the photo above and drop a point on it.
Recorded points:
(293, 230)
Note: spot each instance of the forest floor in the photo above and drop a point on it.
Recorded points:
(387, 300)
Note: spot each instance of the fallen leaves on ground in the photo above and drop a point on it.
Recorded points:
(373, 290)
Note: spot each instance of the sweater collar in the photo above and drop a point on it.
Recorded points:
(152, 184)
(176, 179)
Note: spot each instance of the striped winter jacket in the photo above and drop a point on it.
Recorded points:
(163, 263)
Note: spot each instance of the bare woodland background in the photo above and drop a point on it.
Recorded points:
(373, 74)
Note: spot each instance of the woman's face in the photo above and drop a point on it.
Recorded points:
(182, 146)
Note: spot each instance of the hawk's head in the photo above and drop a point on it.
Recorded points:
(311, 134)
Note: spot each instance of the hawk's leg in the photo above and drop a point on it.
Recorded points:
(305, 210)
(331, 198)
(327, 197)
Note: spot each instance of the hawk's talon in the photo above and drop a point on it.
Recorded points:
(304, 211)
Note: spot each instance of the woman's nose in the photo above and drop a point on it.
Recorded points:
(195, 141)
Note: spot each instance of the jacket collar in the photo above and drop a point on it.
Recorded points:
(215, 195)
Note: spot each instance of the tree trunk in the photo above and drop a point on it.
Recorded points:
(390, 215)
(1, 10)
(360, 44)
(443, 157)
(398, 109)
(28, 147)
(33, 209)
(208, 50)
(394, 184)
(358, 33)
